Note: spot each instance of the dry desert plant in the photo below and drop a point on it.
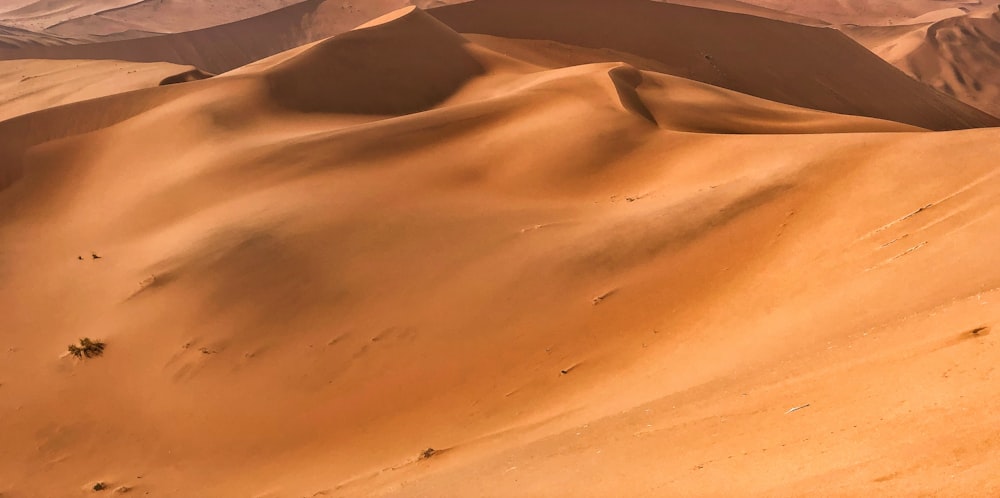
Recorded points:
(88, 348)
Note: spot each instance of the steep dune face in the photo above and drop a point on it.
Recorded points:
(406, 69)
(950, 45)
(715, 47)
(584, 280)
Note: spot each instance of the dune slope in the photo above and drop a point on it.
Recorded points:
(32, 85)
(40, 14)
(874, 12)
(166, 16)
(802, 66)
(215, 49)
(500, 279)
(961, 57)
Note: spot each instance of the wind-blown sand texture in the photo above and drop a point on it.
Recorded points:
(402, 261)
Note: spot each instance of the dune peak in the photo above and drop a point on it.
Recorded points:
(404, 63)
(390, 17)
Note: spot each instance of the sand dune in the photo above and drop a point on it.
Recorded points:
(875, 12)
(32, 85)
(931, 40)
(893, 30)
(563, 270)
(961, 57)
(958, 55)
(12, 37)
(167, 16)
(222, 48)
(41, 14)
(749, 8)
(712, 47)
(700, 44)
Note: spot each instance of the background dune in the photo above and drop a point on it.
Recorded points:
(41, 14)
(32, 85)
(714, 47)
(168, 16)
(701, 44)
(566, 269)
(958, 56)
(906, 34)
(875, 12)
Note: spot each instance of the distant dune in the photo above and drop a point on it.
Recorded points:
(404, 261)
(873, 12)
(41, 14)
(803, 66)
(961, 57)
(167, 16)
(220, 48)
(32, 85)
(700, 44)
(891, 29)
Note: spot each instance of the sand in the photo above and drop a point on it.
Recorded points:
(958, 56)
(567, 270)
(875, 12)
(32, 85)
(42, 14)
(235, 33)
(167, 16)
(672, 35)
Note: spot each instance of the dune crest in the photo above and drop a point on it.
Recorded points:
(402, 63)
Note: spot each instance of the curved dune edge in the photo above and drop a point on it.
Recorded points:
(464, 266)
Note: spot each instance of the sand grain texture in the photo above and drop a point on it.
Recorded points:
(562, 268)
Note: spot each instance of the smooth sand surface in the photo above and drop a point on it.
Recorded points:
(168, 16)
(874, 12)
(42, 14)
(567, 274)
(31, 85)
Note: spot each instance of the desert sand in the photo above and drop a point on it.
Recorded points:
(950, 45)
(455, 252)
(32, 85)
(958, 55)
